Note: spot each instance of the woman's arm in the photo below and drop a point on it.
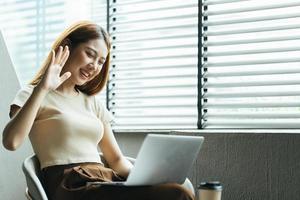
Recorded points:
(112, 153)
(22, 120)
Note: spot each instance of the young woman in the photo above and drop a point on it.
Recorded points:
(66, 124)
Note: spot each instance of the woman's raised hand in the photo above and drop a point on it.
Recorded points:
(52, 79)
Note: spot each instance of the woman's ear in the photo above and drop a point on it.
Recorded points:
(67, 42)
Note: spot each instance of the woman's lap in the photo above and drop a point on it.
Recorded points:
(70, 183)
(157, 192)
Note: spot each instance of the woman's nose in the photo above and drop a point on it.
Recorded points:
(93, 65)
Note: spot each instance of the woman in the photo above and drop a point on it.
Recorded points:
(66, 123)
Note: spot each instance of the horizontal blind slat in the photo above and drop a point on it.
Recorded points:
(145, 7)
(250, 72)
(250, 62)
(215, 2)
(250, 94)
(252, 124)
(164, 111)
(256, 51)
(251, 8)
(253, 116)
(248, 41)
(252, 83)
(294, 104)
(252, 19)
(250, 30)
(148, 93)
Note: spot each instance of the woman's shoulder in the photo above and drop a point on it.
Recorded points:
(98, 105)
(25, 91)
(94, 99)
(91, 100)
(103, 113)
(22, 95)
(27, 88)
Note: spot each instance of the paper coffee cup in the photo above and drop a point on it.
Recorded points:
(210, 190)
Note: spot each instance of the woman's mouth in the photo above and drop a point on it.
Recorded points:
(84, 74)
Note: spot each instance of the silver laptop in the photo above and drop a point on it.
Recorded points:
(162, 159)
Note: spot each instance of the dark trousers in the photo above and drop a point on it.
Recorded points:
(68, 182)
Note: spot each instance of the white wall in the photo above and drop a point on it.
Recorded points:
(12, 180)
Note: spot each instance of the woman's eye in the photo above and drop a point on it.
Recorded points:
(100, 63)
(89, 54)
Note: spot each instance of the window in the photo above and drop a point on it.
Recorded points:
(153, 82)
(250, 64)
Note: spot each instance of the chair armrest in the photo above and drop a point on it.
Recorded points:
(188, 185)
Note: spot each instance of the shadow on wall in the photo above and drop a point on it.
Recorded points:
(11, 175)
(250, 165)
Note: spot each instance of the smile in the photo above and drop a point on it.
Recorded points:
(84, 74)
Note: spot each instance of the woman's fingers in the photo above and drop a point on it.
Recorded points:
(61, 57)
(65, 56)
(52, 78)
(64, 77)
(58, 55)
(52, 57)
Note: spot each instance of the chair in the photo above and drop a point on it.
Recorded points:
(35, 190)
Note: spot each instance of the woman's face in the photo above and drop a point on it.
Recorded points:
(86, 61)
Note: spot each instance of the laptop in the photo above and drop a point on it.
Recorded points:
(162, 159)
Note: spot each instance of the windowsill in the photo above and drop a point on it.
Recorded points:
(142, 131)
(212, 131)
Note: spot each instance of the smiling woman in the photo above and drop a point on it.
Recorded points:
(86, 66)
(66, 123)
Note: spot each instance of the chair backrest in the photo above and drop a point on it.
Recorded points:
(31, 169)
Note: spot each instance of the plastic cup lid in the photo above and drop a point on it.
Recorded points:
(211, 185)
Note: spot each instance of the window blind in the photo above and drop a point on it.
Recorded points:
(153, 78)
(19, 23)
(250, 64)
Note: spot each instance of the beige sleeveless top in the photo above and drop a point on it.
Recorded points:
(67, 129)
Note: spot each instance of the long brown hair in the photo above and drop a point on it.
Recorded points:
(76, 34)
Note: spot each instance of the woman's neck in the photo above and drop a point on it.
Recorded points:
(68, 88)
